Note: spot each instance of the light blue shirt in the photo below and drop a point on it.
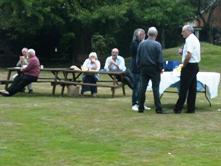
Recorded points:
(119, 61)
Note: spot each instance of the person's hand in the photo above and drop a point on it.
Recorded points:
(180, 51)
(93, 60)
(21, 58)
(113, 62)
(161, 72)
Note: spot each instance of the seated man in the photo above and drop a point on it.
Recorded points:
(28, 74)
(115, 62)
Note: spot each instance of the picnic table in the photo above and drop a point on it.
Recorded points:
(66, 77)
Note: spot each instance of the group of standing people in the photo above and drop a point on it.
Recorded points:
(147, 64)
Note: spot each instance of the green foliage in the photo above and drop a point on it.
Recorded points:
(101, 44)
(25, 21)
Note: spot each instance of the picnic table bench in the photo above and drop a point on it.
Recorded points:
(66, 77)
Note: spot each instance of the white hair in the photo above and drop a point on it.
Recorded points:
(152, 31)
(31, 52)
(94, 54)
(189, 28)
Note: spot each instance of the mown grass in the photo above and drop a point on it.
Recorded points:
(45, 130)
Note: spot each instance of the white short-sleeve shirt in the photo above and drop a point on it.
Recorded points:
(192, 45)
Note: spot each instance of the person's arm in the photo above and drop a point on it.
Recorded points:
(160, 58)
(138, 57)
(31, 64)
(189, 50)
(98, 64)
(85, 64)
(106, 66)
(187, 59)
(121, 66)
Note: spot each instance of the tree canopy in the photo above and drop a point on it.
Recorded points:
(70, 28)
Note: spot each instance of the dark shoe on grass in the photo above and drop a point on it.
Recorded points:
(140, 111)
(30, 91)
(160, 111)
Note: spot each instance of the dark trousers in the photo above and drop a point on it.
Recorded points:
(136, 88)
(19, 83)
(188, 83)
(153, 74)
(89, 79)
(127, 79)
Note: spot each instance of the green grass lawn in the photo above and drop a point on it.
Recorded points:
(44, 130)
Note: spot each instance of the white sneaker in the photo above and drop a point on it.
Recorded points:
(147, 108)
(135, 107)
(4, 93)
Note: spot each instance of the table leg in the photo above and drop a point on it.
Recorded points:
(8, 78)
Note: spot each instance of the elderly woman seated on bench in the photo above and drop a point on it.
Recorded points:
(91, 63)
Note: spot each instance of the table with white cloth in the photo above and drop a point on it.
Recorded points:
(207, 82)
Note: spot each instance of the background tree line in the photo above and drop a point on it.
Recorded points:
(67, 30)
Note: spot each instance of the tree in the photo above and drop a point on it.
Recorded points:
(75, 27)
(204, 12)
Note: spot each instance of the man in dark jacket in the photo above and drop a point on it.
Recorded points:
(150, 63)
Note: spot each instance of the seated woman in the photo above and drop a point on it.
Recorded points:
(23, 62)
(91, 63)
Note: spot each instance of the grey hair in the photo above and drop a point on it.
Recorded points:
(189, 28)
(152, 31)
(136, 35)
(31, 51)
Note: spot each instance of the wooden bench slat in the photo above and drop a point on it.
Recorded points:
(65, 83)
(87, 84)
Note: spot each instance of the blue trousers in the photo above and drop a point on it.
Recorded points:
(89, 79)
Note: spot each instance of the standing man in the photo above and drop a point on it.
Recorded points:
(28, 74)
(150, 63)
(188, 80)
(138, 36)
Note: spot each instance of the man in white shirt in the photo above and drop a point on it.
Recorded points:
(188, 80)
(115, 62)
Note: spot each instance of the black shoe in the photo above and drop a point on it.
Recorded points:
(190, 112)
(140, 111)
(30, 91)
(160, 111)
(177, 111)
(22, 90)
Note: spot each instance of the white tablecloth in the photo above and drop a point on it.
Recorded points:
(210, 79)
